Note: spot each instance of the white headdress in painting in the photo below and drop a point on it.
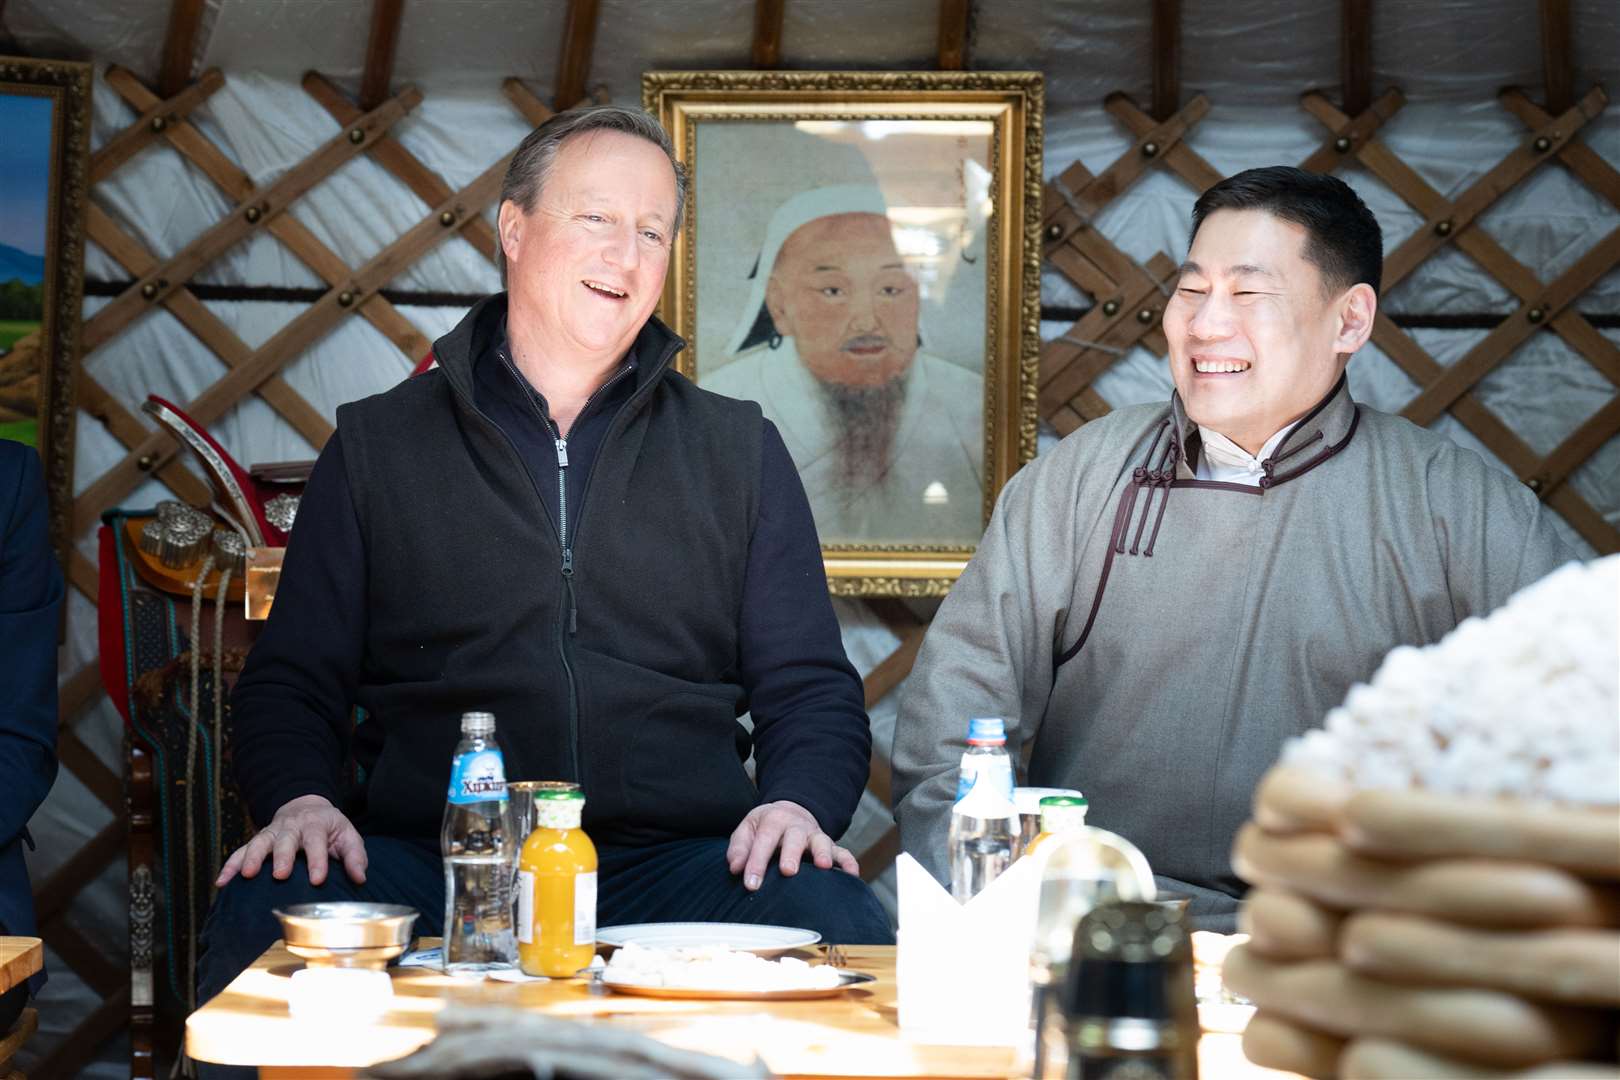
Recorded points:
(796, 212)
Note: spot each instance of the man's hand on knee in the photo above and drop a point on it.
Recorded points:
(309, 822)
(793, 829)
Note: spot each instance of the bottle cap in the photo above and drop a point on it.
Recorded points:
(559, 809)
(1060, 813)
(986, 731)
(477, 723)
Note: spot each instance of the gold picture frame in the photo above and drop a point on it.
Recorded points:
(890, 222)
(45, 111)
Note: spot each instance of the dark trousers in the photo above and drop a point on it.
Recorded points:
(679, 881)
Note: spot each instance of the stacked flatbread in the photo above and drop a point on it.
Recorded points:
(1437, 872)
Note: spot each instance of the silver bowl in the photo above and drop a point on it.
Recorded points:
(346, 933)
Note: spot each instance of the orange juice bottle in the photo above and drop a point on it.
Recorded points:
(556, 918)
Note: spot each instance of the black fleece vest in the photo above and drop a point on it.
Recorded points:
(619, 672)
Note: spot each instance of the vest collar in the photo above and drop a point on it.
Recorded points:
(1318, 435)
(483, 329)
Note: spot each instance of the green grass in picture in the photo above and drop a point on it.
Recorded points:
(12, 330)
(23, 431)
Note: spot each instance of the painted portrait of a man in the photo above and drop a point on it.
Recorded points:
(887, 435)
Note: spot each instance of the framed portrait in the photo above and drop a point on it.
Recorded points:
(861, 256)
(44, 180)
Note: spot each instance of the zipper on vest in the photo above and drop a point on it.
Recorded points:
(570, 625)
(572, 618)
(568, 588)
(568, 670)
(562, 501)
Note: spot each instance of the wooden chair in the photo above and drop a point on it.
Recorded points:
(185, 813)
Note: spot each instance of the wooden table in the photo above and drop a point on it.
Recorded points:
(20, 957)
(855, 1034)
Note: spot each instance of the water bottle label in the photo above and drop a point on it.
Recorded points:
(964, 783)
(585, 908)
(477, 777)
(999, 779)
(525, 907)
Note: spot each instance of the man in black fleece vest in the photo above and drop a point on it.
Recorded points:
(553, 525)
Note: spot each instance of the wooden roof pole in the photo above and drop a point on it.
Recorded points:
(1355, 55)
(1166, 59)
(579, 39)
(955, 29)
(768, 33)
(179, 46)
(1556, 63)
(380, 48)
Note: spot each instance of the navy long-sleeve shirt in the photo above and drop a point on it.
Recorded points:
(30, 607)
(811, 734)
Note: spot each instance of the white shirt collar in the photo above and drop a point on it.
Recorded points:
(1225, 461)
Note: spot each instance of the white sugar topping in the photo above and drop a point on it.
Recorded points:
(1524, 702)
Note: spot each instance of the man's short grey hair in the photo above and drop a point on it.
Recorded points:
(537, 152)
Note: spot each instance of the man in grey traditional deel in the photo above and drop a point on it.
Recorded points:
(888, 438)
(1176, 589)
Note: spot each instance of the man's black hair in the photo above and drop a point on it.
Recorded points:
(1342, 239)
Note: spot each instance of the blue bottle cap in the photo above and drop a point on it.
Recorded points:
(987, 729)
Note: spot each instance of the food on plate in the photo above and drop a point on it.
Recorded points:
(713, 967)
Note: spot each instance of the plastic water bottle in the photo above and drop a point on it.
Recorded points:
(984, 821)
(479, 854)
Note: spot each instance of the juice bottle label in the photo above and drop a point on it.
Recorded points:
(525, 907)
(478, 776)
(585, 908)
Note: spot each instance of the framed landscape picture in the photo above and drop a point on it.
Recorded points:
(861, 258)
(44, 177)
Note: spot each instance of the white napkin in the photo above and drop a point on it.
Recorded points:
(963, 969)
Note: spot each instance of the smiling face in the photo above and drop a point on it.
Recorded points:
(586, 265)
(841, 292)
(1256, 338)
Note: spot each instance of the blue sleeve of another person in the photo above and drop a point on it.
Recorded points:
(812, 739)
(30, 613)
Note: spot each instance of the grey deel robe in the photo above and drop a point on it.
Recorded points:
(1152, 639)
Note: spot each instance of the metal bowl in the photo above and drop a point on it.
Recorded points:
(346, 933)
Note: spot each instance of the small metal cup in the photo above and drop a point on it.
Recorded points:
(346, 933)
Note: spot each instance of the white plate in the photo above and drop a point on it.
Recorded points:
(744, 937)
(846, 979)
